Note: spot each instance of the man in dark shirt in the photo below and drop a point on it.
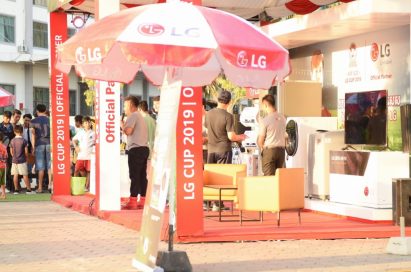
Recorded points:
(41, 143)
(220, 131)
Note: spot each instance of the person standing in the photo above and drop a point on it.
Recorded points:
(84, 143)
(19, 152)
(76, 131)
(3, 164)
(156, 107)
(151, 125)
(26, 130)
(220, 131)
(271, 137)
(27, 136)
(41, 142)
(6, 127)
(137, 138)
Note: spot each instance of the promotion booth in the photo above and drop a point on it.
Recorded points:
(362, 69)
(321, 147)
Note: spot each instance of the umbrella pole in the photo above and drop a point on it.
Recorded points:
(171, 215)
(171, 260)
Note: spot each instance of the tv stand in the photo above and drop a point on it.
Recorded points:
(364, 178)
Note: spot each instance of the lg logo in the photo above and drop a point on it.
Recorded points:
(242, 59)
(88, 55)
(254, 61)
(151, 29)
(382, 50)
(157, 30)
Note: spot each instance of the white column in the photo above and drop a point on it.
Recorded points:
(108, 130)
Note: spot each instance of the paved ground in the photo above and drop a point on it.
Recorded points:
(43, 236)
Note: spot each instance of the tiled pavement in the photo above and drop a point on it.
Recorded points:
(43, 236)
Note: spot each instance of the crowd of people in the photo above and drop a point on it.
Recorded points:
(25, 148)
(25, 152)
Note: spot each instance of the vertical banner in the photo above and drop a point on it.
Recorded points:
(108, 145)
(163, 172)
(107, 113)
(189, 163)
(59, 108)
(97, 146)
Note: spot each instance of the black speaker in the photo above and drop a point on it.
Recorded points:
(401, 200)
(406, 127)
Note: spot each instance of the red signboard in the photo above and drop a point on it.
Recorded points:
(189, 163)
(59, 108)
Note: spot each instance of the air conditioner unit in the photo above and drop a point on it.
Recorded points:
(22, 48)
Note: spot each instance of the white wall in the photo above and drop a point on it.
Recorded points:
(40, 76)
(348, 70)
(13, 74)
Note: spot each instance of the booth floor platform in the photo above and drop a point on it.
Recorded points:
(314, 224)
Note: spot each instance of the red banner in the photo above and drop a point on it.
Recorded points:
(189, 163)
(59, 108)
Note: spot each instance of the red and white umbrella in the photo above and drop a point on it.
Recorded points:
(6, 98)
(201, 42)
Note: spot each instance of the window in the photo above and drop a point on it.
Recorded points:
(40, 35)
(7, 29)
(41, 96)
(40, 3)
(10, 89)
(73, 100)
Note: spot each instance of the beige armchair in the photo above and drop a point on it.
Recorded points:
(284, 191)
(225, 175)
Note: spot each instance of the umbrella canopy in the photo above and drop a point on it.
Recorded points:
(199, 41)
(6, 98)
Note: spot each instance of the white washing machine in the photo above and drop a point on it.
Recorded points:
(299, 129)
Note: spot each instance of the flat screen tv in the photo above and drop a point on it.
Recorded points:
(366, 118)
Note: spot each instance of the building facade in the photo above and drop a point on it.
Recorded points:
(24, 59)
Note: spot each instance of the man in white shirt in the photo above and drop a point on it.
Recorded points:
(271, 137)
(137, 145)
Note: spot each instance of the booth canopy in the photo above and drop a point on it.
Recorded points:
(243, 8)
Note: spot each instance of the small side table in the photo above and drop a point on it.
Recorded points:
(220, 189)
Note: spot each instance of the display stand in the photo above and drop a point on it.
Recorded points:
(364, 178)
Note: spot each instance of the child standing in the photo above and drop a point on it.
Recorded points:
(84, 143)
(3, 164)
(19, 151)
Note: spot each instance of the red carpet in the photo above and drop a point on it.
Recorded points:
(314, 225)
